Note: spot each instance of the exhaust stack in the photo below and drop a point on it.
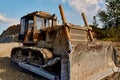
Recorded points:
(62, 14)
(89, 29)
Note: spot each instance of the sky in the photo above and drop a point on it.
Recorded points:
(12, 10)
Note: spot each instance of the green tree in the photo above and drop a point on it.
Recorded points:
(111, 16)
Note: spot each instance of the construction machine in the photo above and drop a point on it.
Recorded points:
(62, 52)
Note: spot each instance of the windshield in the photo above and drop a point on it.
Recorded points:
(42, 23)
(39, 23)
(26, 24)
(22, 26)
(30, 24)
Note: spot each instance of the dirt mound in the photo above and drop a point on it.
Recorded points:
(10, 34)
(14, 29)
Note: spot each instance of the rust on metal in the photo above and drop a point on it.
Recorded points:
(86, 24)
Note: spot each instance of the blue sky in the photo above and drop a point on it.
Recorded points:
(12, 10)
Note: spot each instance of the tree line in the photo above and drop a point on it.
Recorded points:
(110, 18)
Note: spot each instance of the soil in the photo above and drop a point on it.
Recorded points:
(7, 71)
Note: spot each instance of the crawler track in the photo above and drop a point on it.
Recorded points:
(30, 60)
(35, 76)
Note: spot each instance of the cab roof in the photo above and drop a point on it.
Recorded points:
(39, 13)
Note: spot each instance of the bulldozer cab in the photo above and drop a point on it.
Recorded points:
(32, 24)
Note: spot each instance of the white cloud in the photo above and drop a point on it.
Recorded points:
(101, 1)
(90, 7)
(6, 20)
(63, 1)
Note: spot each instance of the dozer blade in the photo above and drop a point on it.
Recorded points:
(92, 61)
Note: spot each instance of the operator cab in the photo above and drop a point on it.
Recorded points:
(33, 23)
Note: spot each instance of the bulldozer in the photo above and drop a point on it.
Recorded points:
(62, 52)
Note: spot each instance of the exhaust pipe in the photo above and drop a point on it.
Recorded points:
(86, 24)
(62, 14)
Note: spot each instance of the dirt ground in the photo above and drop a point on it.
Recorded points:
(8, 72)
(5, 48)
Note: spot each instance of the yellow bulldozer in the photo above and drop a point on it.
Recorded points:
(62, 52)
